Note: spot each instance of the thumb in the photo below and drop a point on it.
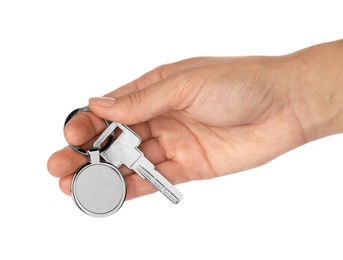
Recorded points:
(137, 106)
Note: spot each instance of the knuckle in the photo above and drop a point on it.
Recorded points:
(163, 71)
(182, 78)
(136, 98)
(179, 90)
(195, 60)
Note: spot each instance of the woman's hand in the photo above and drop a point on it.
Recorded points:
(207, 117)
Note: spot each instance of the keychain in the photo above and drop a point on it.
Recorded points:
(98, 188)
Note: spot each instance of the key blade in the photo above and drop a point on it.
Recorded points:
(173, 198)
(145, 168)
(124, 150)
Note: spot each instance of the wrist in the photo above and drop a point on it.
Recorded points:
(316, 93)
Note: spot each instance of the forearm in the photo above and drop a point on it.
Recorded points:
(316, 94)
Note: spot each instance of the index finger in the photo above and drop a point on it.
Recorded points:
(84, 126)
(155, 75)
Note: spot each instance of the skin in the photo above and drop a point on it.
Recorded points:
(207, 117)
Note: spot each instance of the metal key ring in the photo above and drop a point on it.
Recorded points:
(77, 148)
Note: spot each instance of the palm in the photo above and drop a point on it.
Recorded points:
(200, 151)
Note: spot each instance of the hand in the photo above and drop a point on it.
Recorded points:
(201, 118)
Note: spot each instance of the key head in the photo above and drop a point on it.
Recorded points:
(98, 189)
(123, 149)
(129, 136)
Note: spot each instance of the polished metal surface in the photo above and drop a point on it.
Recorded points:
(98, 188)
(123, 149)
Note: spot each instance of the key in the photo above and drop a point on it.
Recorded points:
(124, 151)
(98, 188)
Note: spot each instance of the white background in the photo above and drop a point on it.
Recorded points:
(56, 54)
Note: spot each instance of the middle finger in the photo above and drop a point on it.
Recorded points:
(66, 161)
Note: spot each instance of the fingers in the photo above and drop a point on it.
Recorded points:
(135, 185)
(65, 184)
(84, 126)
(144, 104)
(66, 161)
(155, 93)
(155, 76)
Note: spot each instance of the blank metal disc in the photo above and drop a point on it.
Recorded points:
(98, 189)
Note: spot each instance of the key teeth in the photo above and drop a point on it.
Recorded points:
(174, 198)
(170, 196)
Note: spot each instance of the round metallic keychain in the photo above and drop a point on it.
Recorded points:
(98, 188)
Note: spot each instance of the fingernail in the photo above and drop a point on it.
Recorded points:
(102, 101)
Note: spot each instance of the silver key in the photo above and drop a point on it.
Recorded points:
(124, 151)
